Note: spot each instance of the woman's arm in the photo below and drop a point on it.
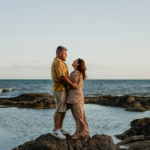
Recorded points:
(64, 80)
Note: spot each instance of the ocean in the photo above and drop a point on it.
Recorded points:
(92, 88)
(20, 125)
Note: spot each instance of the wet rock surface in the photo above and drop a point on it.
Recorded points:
(131, 103)
(46, 101)
(49, 142)
(138, 136)
(37, 101)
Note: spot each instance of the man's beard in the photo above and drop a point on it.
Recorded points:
(64, 59)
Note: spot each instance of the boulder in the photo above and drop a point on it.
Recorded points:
(137, 109)
(32, 100)
(49, 142)
(131, 139)
(130, 99)
(140, 145)
(138, 133)
(136, 104)
(126, 134)
(141, 121)
(102, 142)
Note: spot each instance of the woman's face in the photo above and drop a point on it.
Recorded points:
(75, 63)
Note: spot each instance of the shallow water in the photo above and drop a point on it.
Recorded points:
(20, 125)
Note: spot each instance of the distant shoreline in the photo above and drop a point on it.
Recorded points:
(86, 79)
(47, 101)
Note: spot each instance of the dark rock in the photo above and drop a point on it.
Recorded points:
(138, 133)
(126, 134)
(46, 101)
(137, 109)
(130, 99)
(142, 121)
(102, 142)
(49, 142)
(33, 100)
(144, 145)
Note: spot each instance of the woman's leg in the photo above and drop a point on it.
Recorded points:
(75, 118)
(82, 128)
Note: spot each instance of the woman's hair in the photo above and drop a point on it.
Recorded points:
(82, 67)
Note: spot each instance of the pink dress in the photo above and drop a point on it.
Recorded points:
(76, 99)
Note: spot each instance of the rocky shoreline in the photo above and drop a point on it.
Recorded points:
(138, 136)
(49, 142)
(46, 101)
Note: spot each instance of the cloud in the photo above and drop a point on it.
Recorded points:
(34, 61)
(14, 63)
(123, 65)
(135, 65)
(19, 66)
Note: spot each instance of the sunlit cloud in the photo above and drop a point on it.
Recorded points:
(20, 66)
(14, 63)
(135, 65)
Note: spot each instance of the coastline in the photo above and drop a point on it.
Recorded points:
(47, 101)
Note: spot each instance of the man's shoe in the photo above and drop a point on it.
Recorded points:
(63, 131)
(58, 134)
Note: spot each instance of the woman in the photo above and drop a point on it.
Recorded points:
(75, 99)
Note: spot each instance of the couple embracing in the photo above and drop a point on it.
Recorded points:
(68, 92)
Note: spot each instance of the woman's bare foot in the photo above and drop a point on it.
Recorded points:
(75, 137)
(73, 134)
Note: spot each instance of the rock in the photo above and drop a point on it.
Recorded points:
(137, 109)
(141, 99)
(32, 100)
(142, 121)
(126, 134)
(102, 142)
(46, 101)
(130, 99)
(49, 142)
(143, 145)
(147, 102)
(131, 139)
(140, 130)
(136, 104)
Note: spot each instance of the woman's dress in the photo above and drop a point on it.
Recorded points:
(76, 99)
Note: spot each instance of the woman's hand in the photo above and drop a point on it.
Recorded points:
(55, 80)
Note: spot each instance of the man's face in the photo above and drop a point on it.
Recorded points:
(63, 55)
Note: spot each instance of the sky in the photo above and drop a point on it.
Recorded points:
(112, 37)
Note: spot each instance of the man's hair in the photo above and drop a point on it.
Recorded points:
(60, 49)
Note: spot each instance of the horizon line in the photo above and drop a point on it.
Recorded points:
(86, 79)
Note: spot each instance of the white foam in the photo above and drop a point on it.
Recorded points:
(5, 90)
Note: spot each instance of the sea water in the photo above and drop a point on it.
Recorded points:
(92, 88)
(20, 125)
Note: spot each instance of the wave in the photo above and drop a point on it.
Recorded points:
(5, 90)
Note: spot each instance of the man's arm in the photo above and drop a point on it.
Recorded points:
(64, 80)
(61, 76)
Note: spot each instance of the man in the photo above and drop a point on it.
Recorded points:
(59, 70)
